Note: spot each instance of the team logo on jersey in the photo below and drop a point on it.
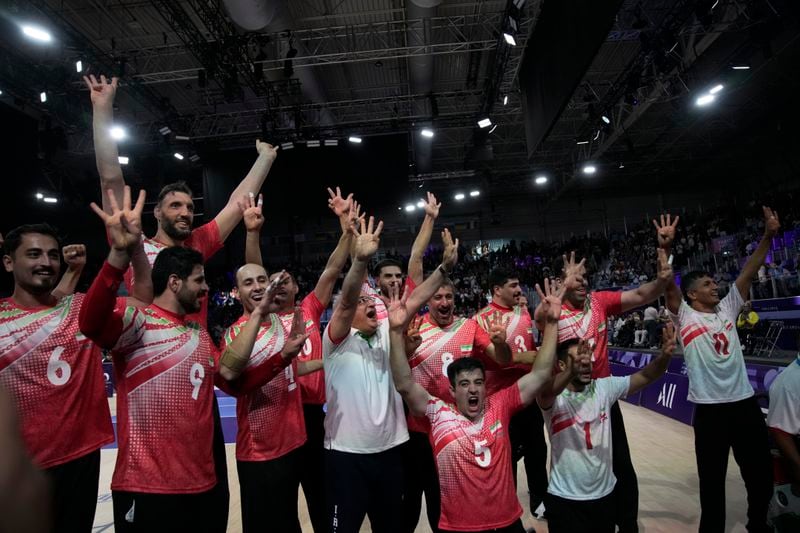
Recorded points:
(466, 348)
(211, 362)
(494, 428)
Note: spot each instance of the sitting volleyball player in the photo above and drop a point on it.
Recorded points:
(470, 439)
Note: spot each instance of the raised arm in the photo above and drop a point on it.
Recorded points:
(657, 366)
(106, 155)
(571, 268)
(415, 268)
(97, 319)
(75, 258)
(425, 291)
(532, 383)
(231, 214)
(349, 214)
(415, 396)
(771, 226)
(367, 241)
(498, 350)
(253, 221)
(650, 291)
(581, 358)
(665, 232)
(142, 289)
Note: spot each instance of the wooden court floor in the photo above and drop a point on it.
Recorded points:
(663, 454)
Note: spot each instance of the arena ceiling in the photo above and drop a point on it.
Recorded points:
(329, 69)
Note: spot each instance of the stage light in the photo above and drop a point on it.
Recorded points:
(50, 200)
(426, 132)
(485, 122)
(459, 196)
(79, 66)
(37, 34)
(165, 130)
(716, 88)
(43, 96)
(582, 142)
(181, 137)
(287, 146)
(178, 156)
(589, 169)
(39, 196)
(123, 160)
(705, 100)
(410, 208)
(194, 158)
(354, 139)
(540, 180)
(474, 193)
(509, 39)
(331, 142)
(313, 144)
(622, 165)
(1, 93)
(420, 204)
(741, 67)
(606, 119)
(494, 127)
(505, 100)
(118, 133)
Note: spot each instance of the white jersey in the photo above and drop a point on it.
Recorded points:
(579, 426)
(365, 412)
(713, 354)
(784, 400)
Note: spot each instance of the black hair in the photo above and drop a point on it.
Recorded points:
(14, 237)
(465, 364)
(386, 263)
(176, 260)
(562, 350)
(178, 186)
(688, 280)
(499, 277)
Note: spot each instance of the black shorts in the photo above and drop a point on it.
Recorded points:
(74, 493)
(269, 492)
(580, 516)
(136, 512)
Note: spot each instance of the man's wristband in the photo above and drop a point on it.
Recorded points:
(443, 270)
(233, 360)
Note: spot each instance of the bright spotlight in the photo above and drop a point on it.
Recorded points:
(589, 169)
(37, 34)
(420, 204)
(705, 100)
(474, 193)
(354, 139)
(43, 97)
(50, 200)
(716, 88)
(123, 159)
(39, 196)
(485, 122)
(410, 208)
(540, 180)
(510, 39)
(79, 66)
(426, 132)
(459, 196)
(582, 142)
(741, 67)
(606, 119)
(118, 133)
(178, 156)
(505, 100)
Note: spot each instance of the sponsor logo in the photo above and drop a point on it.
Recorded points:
(667, 395)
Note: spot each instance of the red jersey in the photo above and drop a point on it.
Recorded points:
(55, 376)
(439, 348)
(474, 463)
(270, 418)
(519, 335)
(312, 386)
(165, 368)
(590, 323)
(205, 240)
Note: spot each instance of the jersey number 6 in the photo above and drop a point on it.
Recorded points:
(58, 371)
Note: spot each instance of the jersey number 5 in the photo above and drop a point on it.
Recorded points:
(58, 371)
(483, 455)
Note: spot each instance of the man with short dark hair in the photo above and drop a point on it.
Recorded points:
(526, 429)
(165, 369)
(582, 479)
(727, 415)
(470, 436)
(55, 377)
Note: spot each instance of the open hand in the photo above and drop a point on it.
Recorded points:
(497, 329)
(252, 212)
(551, 299)
(102, 92)
(450, 254)
(412, 338)
(571, 268)
(668, 341)
(297, 336)
(771, 222)
(339, 205)
(123, 225)
(367, 239)
(396, 308)
(664, 273)
(431, 206)
(665, 231)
